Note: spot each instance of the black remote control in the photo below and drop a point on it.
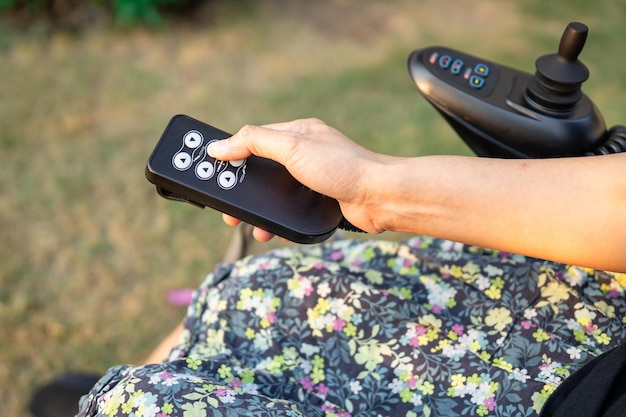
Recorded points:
(256, 190)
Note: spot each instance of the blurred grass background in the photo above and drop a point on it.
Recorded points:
(87, 248)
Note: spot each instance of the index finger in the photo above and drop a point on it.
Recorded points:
(259, 234)
(230, 220)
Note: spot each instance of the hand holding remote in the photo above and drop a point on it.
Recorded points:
(317, 155)
(245, 185)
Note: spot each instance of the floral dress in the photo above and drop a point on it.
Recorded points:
(425, 327)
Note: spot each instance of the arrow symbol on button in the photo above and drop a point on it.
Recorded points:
(227, 180)
(204, 170)
(182, 161)
(192, 139)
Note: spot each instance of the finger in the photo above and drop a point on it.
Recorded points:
(230, 220)
(262, 235)
(277, 145)
(259, 234)
(227, 150)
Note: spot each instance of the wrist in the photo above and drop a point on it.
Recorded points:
(386, 193)
(412, 195)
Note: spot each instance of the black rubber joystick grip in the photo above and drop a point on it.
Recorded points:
(555, 88)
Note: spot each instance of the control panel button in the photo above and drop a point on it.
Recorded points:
(227, 180)
(445, 61)
(457, 66)
(237, 162)
(193, 139)
(182, 161)
(476, 82)
(481, 69)
(433, 57)
(205, 170)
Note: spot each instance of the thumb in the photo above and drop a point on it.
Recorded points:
(260, 141)
(227, 150)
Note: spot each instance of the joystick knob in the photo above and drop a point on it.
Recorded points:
(555, 88)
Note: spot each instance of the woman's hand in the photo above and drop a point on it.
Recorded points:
(318, 156)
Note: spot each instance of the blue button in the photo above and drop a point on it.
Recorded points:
(457, 66)
(476, 81)
(481, 69)
(444, 61)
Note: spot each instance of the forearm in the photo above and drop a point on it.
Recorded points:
(568, 210)
(571, 210)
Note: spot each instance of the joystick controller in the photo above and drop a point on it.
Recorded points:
(555, 88)
(255, 190)
(503, 112)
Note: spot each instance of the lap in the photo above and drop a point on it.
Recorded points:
(377, 328)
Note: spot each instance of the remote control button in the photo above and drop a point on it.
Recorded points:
(433, 57)
(481, 69)
(457, 66)
(193, 139)
(205, 170)
(444, 61)
(476, 81)
(237, 162)
(182, 161)
(227, 180)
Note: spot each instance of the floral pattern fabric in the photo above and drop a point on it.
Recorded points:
(370, 328)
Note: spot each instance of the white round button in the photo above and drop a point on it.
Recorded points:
(193, 139)
(182, 161)
(205, 170)
(237, 162)
(227, 180)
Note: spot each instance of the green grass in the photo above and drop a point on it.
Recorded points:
(87, 248)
